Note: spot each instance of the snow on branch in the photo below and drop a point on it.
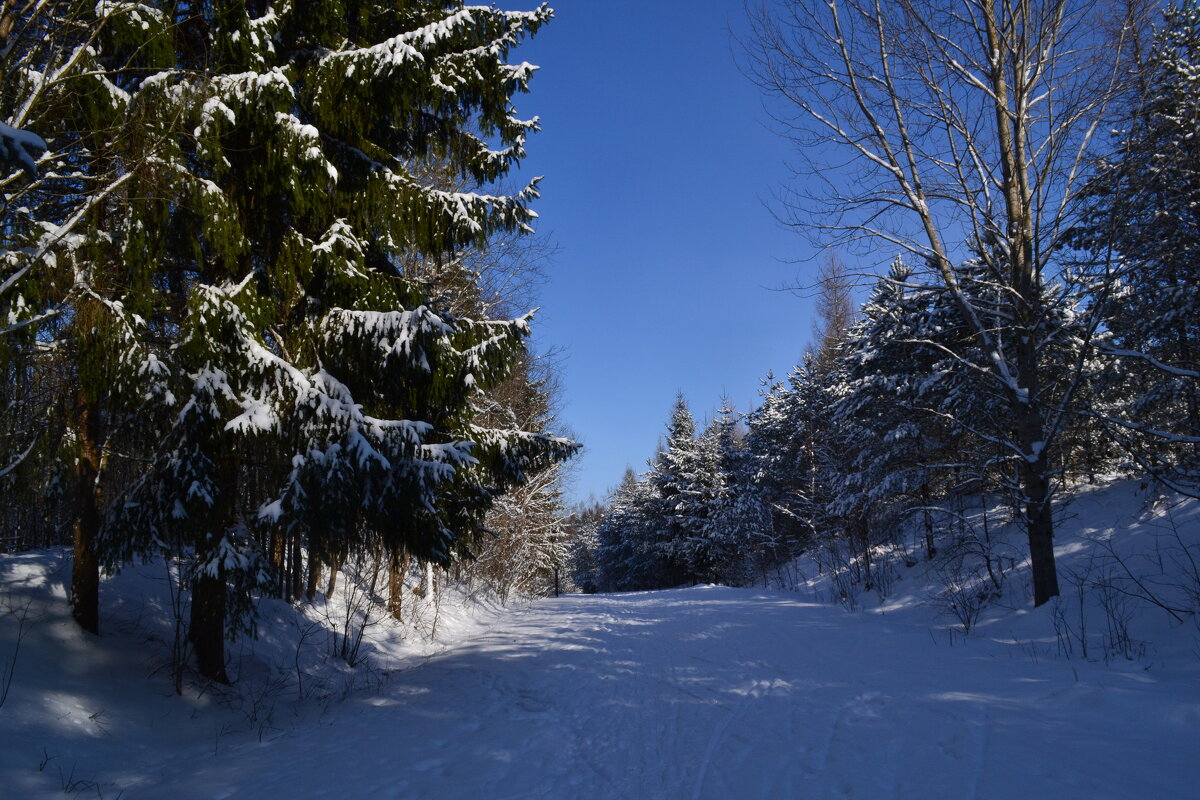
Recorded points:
(20, 148)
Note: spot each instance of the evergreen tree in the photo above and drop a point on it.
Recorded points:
(1144, 229)
(655, 532)
(584, 545)
(677, 478)
(65, 323)
(892, 412)
(628, 552)
(915, 418)
(736, 534)
(276, 156)
(789, 445)
(789, 436)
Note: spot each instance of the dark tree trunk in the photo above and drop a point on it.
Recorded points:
(279, 563)
(1035, 475)
(314, 576)
(85, 569)
(207, 630)
(334, 566)
(1040, 520)
(926, 500)
(297, 586)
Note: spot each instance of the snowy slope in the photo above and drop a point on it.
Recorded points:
(689, 693)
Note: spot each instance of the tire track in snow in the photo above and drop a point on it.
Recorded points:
(981, 756)
(717, 735)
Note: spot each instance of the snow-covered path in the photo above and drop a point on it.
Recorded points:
(724, 693)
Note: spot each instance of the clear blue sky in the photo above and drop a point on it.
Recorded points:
(658, 158)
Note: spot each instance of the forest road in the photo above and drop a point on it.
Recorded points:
(712, 692)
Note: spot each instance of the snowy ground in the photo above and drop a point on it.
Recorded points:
(690, 693)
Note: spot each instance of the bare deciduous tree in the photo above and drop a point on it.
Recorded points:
(836, 309)
(962, 129)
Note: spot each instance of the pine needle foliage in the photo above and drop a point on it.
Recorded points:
(247, 286)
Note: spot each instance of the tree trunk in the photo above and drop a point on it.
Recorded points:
(85, 569)
(334, 566)
(1031, 435)
(926, 500)
(1012, 128)
(279, 563)
(314, 576)
(297, 586)
(1040, 521)
(1035, 481)
(397, 566)
(207, 629)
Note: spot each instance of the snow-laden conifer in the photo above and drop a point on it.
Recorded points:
(900, 447)
(677, 476)
(1143, 229)
(277, 158)
(69, 315)
(627, 553)
(791, 457)
(735, 535)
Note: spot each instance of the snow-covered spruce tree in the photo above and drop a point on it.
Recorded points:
(789, 431)
(584, 546)
(702, 542)
(695, 515)
(677, 479)
(282, 189)
(1145, 232)
(527, 544)
(735, 537)
(61, 281)
(628, 552)
(789, 446)
(892, 412)
(916, 422)
(768, 433)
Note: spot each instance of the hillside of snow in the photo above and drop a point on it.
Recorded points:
(688, 693)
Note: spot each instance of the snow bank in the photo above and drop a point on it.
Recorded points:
(1128, 559)
(99, 715)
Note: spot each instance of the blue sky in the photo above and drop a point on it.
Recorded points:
(659, 165)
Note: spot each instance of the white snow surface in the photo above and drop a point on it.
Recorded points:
(703, 692)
